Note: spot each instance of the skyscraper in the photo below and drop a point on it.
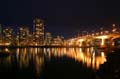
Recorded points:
(48, 38)
(23, 34)
(38, 25)
(0, 32)
(8, 33)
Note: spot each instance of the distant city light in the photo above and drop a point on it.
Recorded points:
(39, 37)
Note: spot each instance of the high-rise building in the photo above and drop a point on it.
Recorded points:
(48, 38)
(1, 32)
(38, 25)
(57, 41)
(23, 34)
(8, 33)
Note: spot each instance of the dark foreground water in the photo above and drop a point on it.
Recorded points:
(60, 63)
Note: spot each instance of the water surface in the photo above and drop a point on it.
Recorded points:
(60, 63)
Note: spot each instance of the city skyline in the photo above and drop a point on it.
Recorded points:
(39, 37)
(24, 37)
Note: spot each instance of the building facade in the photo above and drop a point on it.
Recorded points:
(48, 39)
(23, 33)
(38, 33)
(8, 34)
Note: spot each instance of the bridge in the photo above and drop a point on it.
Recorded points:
(104, 40)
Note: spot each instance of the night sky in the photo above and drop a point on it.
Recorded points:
(62, 17)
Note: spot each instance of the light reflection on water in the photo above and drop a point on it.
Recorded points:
(90, 57)
(25, 57)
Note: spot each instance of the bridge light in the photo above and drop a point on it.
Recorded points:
(102, 37)
(80, 40)
(106, 32)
